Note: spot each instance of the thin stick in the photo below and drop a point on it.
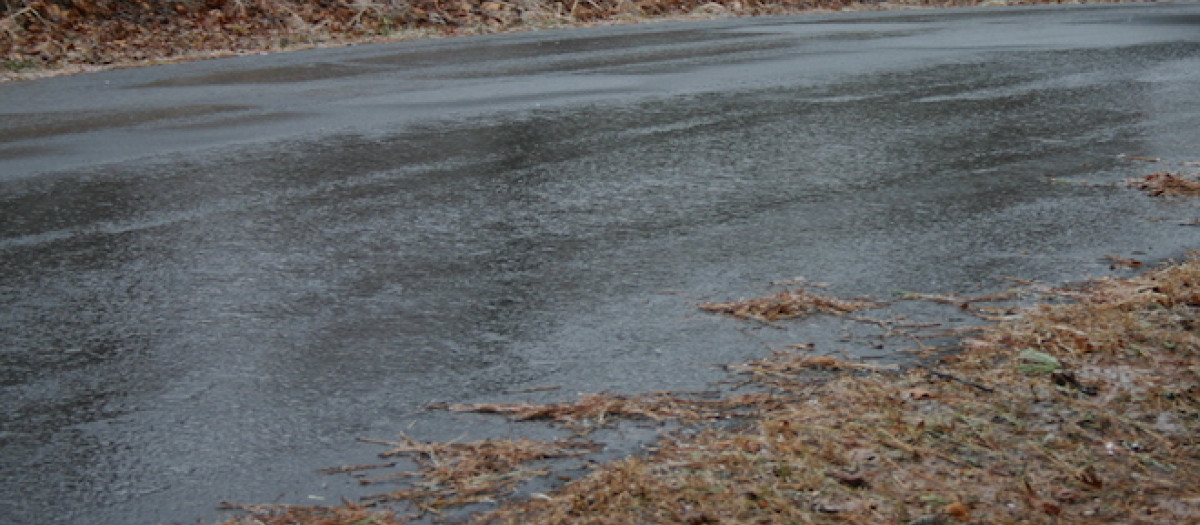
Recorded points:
(941, 375)
(352, 468)
(531, 390)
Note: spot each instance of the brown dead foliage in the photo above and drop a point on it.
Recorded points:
(1110, 435)
(39, 34)
(1165, 183)
(595, 410)
(457, 474)
(788, 304)
(38, 37)
(781, 369)
(1084, 409)
(346, 514)
(447, 475)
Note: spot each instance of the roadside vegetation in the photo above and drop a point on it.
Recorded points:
(1084, 408)
(1074, 404)
(45, 37)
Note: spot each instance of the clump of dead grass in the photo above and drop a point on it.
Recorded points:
(595, 410)
(788, 304)
(457, 474)
(1165, 183)
(346, 514)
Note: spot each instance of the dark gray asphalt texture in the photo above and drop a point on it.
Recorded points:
(216, 275)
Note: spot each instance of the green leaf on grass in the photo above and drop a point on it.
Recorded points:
(1039, 362)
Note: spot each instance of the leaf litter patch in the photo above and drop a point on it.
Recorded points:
(592, 411)
(1081, 411)
(458, 474)
(44, 37)
(789, 304)
(1167, 184)
(1082, 408)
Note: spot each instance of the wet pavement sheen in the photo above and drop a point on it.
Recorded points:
(217, 275)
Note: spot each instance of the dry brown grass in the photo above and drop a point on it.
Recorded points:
(347, 514)
(1084, 412)
(1165, 183)
(1082, 409)
(457, 474)
(595, 410)
(788, 304)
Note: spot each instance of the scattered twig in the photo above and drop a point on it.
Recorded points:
(951, 377)
(531, 390)
(354, 468)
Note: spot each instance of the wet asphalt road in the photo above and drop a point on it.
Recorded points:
(216, 275)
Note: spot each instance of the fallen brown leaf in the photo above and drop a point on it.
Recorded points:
(958, 510)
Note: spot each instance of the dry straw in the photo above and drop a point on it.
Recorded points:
(1081, 409)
